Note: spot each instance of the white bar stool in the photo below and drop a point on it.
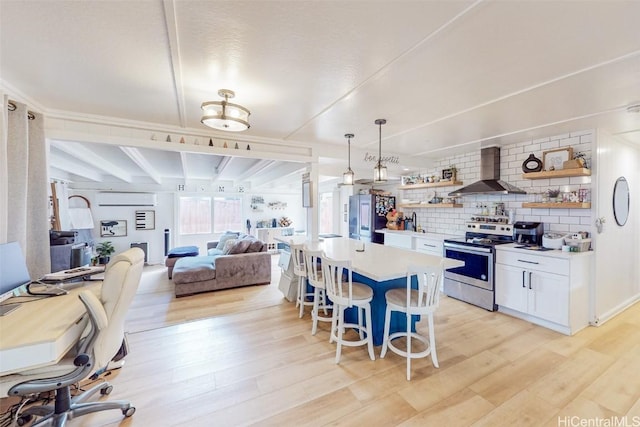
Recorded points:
(345, 293)
(300, 271)
(312, 260)
(422, 301)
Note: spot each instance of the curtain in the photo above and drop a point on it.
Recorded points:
(4, 165)
(25, 198)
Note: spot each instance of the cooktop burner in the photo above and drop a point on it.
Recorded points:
(480, 240)
(483, 239)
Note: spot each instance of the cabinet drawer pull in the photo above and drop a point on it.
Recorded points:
(528, 262)
(430, 246)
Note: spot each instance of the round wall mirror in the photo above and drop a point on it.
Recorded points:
(621, 201)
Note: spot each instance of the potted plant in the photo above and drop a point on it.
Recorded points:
(104, 251)
(553, 194)
(454, 172)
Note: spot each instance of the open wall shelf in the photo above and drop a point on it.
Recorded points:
(430, 185)
(562, 173)
(561, 205)
(432, 205)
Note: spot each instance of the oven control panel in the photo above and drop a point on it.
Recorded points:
(495, 229)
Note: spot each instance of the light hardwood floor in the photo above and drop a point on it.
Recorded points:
(261, 366)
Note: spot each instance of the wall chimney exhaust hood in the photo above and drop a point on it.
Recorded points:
(490, 182)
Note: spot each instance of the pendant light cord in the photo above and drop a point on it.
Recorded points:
(379, 145)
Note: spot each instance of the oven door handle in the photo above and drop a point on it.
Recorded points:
(467, 249)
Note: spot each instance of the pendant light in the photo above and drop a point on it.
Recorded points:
(347, 177)
(224, 115)
(380, 171)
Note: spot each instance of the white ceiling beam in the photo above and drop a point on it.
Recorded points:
(80, 152)
(139, 159)
(259, 166)
(224, 162)
(171, 23)
(185, 166)
(66, 164)
(281, 173)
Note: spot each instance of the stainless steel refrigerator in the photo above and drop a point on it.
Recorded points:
(367, 213)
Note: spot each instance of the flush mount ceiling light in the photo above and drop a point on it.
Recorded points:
(380, 171)
(224, 115)
(347, 177)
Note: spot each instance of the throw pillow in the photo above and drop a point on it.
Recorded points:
(240, 247)
(228, 245)
(223, 239)
(256, 246)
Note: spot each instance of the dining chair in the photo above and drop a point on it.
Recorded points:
(344, 293)
(421, 301)
(312, 262)
(303, 298)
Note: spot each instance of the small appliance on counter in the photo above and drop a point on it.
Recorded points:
(529, 233)
(553, 240)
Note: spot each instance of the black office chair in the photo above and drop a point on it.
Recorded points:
(95, 350)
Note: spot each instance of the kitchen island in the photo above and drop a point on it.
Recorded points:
(379, 266)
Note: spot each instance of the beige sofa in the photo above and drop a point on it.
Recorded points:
(219, 270)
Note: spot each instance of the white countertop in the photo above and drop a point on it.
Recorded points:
(377, 262)
(434, 236)
(555, 253)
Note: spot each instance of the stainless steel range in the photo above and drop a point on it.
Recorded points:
(474, 282)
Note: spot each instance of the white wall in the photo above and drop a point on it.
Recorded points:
(166, 218)
(293, 210)
(452, 220)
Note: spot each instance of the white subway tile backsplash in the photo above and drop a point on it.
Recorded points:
(549, 145)
(569, 220)
(452, 221)
(586, 132)
(570, 142)
(586, 220)
(558, 137)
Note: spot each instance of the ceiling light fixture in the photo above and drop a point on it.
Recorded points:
(224, 115)
(380, 171)
(347, 177)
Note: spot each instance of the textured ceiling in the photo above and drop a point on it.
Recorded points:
(448, 76)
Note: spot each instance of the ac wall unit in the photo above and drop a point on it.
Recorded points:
(111, 198)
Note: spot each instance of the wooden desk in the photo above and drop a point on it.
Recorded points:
(380, 267)
(39, 333)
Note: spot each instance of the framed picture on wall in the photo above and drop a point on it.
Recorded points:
(554, 159)
(113, 228)
(145, 220)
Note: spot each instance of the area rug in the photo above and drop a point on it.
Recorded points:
(155, 305)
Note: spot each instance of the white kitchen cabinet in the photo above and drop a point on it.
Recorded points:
(268, 235)
(511, 289)
(548, 290)
(428, 245)
(538, 293)
(398, 240)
